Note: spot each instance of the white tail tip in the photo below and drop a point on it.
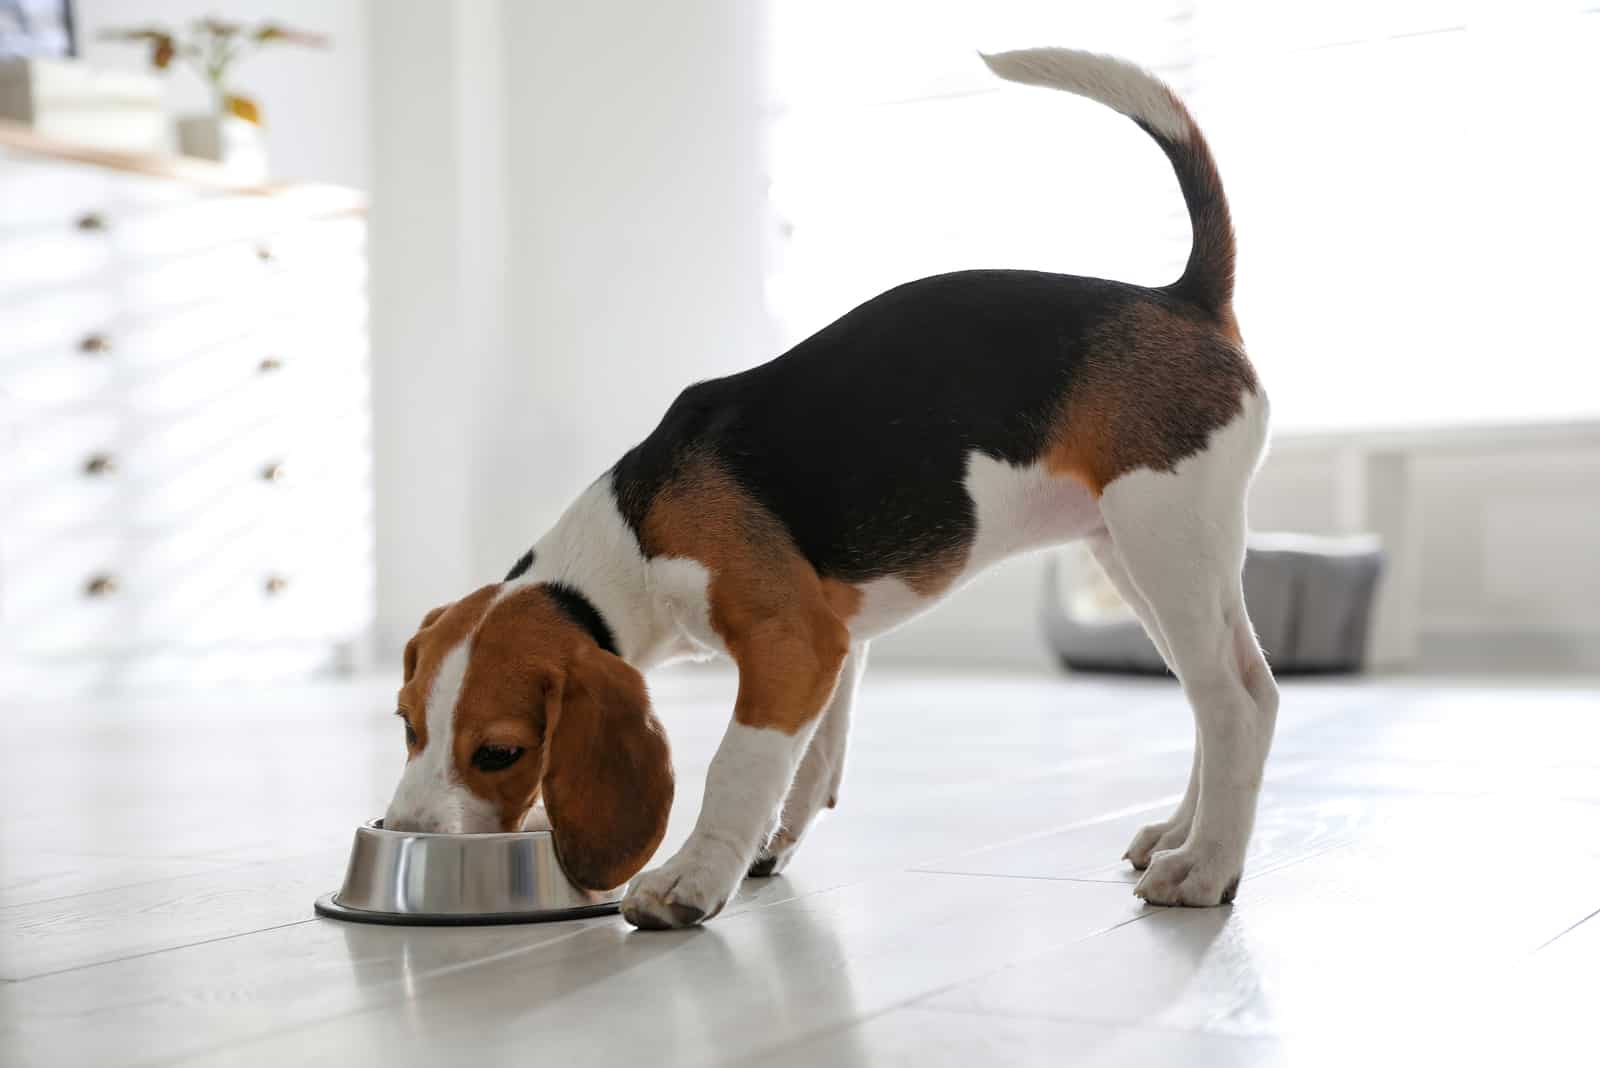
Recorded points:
(1116, 83)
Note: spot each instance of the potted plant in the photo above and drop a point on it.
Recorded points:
(231, 132)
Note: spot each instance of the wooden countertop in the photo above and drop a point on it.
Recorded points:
(19, 137)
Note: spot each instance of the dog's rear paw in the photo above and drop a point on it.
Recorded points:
(774, 857)
(1177, 877)
(1153, 838)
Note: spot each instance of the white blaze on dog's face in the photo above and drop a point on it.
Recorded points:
(431, 796)
(507, 700)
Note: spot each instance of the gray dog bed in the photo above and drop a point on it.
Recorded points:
(1310, 599)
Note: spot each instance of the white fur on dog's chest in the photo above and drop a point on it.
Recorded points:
(682, 587)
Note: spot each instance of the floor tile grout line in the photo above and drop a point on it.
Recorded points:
(367, 1009)
(164, 949)
(1091, 821)
(768, 1052)
(382, 1006)
(1129, 1025)
(1270, 867)
(1147, 912)
(223, 868)
(1567, 930)
(1135, 809)
(1034, 878)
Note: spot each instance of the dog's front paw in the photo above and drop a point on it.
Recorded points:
(684, 891)
(1179, 877)
(1153, 838)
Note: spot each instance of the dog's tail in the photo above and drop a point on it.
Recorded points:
(1141, 96)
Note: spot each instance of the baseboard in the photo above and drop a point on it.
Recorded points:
(1520, 651)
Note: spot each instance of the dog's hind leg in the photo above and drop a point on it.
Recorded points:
(816, 784)
(1180, 537)
(1170, 832)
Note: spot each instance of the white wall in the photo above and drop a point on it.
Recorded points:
(569, 226)
(438, 259)
(315, 103)
(639, 235)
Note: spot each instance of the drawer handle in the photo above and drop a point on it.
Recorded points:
(275, 584)
(100, 463)
(265, 254)
(273, 472)
(92, 221)
(270, 364)
(102, 586)
(94, 344)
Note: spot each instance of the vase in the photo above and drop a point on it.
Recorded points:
(237, 144)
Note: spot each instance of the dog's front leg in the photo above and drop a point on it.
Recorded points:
(816, 784)
(786, 677)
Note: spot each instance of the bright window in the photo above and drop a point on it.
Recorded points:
(1413, 182)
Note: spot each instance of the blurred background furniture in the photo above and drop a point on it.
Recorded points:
(186, 464)
(1310, 599)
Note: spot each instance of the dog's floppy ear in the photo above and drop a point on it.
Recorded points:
(608, 772)
(409, 659)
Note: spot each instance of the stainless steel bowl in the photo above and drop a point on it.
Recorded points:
(405, 878)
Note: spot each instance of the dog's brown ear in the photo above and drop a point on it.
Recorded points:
(608, 771)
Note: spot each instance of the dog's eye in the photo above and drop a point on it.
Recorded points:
(411, 735)
(496, 757)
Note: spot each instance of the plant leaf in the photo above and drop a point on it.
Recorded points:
(269, 32)
(148, 34)
(243, 107)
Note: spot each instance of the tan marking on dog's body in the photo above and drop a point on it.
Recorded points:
(1150, 389)
(1228, 323)
(843, 598)
(779, 620)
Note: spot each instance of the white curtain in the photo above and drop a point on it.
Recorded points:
(1415, 182)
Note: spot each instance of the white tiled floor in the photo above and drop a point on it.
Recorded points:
(1424, 887)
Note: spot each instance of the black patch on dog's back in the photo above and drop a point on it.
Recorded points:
(857, 439)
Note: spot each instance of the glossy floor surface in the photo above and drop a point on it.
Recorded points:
(1423, 888)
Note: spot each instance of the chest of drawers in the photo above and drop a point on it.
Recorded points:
(185, 490)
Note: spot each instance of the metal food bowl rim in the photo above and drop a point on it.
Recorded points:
(329, 905)
(377, 825)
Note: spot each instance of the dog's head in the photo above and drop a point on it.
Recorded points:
(508, 699)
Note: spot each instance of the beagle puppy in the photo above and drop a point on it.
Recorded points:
(787, 515)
